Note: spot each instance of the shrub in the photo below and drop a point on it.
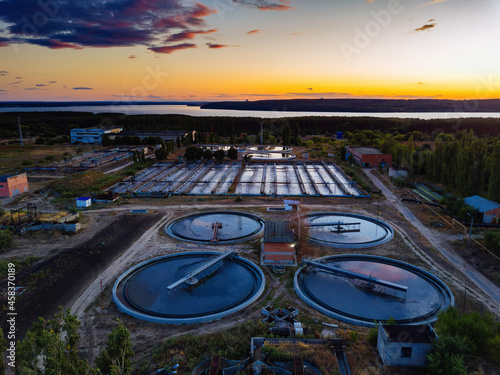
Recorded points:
(6, 241)
(372, 337)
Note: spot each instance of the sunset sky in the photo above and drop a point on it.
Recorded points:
(248, 49)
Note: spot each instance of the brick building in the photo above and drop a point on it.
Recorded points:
(368, 157)
(278, 248)
(11, 186)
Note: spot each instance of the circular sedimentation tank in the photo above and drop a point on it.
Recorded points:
(370, 289)
(143, 291)
(232, 227)
(346, 230)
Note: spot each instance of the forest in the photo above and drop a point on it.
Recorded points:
(49, 125)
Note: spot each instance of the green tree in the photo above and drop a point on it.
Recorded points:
(116, 358)
(178, 140)
(494, 183)
(50, 347)
(286, 135)
(207, 155)
(232, 153)
(161, 154)
(193, 153)
(219, 155)
(6, 241)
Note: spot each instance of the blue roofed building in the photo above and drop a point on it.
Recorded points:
(489, 209)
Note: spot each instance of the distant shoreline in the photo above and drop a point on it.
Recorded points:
(299, 105)
(362, 105)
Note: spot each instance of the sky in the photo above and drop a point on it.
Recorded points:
(215, 50)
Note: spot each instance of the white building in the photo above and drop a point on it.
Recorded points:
(93, 136)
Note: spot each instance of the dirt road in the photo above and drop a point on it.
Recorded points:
(440, 243)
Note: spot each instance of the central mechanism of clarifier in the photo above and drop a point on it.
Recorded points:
(346, 230)
(363, 289)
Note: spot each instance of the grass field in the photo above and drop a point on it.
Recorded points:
(13, 157)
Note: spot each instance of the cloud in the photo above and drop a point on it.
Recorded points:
(100, 23)
(310, 88)
(427, 26)
(265, 4)
(300, 32)
(3, 90)
(4, 42)
(52, 81)
(218, 46)
(54, 44)
(3, 73)
(254, 32)
(188, 34)
(15, 83)
(436, 1)
(369, 1)
(31, 88)
(41, 85)
(82, 88)
(132, 57)
(171, 49)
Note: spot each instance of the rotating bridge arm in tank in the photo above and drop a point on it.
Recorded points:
(215, 227)
(202, 269)
(370, 281)
(340, 227)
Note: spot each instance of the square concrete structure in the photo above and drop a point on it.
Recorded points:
(83, 202)
(369, 157)
(12, 185)
(489, 209)
(405, 345)
(278, 248)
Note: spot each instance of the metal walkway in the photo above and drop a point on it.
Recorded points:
(370, 281)
(339, 226)
(203, 269)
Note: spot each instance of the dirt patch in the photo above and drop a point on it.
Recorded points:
(56, 281)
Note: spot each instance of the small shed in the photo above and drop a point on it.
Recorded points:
(405, 345)
(398, 172)
(278, 248)
(489, 209)
(83, 202)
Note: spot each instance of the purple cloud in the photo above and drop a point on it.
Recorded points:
(170, 49)
(82, 88)
(89, 23)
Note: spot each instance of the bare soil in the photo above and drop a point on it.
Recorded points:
(57, 280)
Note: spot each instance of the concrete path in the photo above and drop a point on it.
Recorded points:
(443, 247)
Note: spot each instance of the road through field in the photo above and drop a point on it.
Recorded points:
(485, 285)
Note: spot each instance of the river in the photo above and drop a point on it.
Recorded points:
(162, 109)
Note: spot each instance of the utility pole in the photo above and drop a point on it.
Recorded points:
(20, 131)
(471, 222)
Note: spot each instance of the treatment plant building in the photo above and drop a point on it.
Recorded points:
(369, 157)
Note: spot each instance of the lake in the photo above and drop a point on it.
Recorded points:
(162, 109)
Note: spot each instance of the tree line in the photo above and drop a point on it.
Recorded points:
(465, 163)
(50, 125)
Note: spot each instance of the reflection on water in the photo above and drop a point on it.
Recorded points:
(197, 111)
(231, 285)
(200, 228)
(351, 298)
(369, 231)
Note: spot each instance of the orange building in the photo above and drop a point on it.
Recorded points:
(11, 186)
